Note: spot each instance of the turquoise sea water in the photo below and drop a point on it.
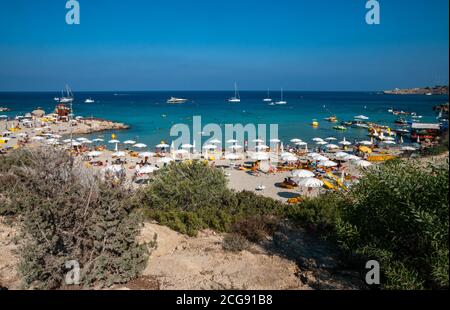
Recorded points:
(151, 118)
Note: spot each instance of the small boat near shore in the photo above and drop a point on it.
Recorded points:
(174, 100)
(4, 109)
(89, 100)
(341, 128)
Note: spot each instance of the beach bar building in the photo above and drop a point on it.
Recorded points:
(425, 131)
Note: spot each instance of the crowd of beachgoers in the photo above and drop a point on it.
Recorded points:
(274, 169)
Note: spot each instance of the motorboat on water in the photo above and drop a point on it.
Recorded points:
(4, 109)
(89, 100)
(175, 100)
(342, 128)
(236, 98)
(332, 119)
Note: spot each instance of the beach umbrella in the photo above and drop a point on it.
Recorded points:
(98, 140)
(3, 116)
(284, 154)
(363, 163)
(296, 140)
(262, 147)
(53, 142)
(146, 154)
(327, 164)
(119, 154)
(365, 149)
(75, 143)
(275, 140)
(69, 141)
(313, 154)
(341, 155)
(317, 139)
(215, 141)
(232, 156)
(310, 183)
(321, 143)
(321, 158)
(94, 154)
(56, 136)
(181, 152)
(187, 146)
(129, 142)
(147, 169)
(302, 174)
(81, 139)
(140, 145)
(301, 143)
(345, 142)
(113, 141)
(260, 156)
(86, 141)
(351, 158)
(331, 139)
(389, 139)
(37, 138)
(162, 146)
(165, 160)
(232, 141)
(258, 141)
(22, 134)
(332, 146)
(365, 143)
(210, 147)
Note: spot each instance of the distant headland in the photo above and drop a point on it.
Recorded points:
(434, 90)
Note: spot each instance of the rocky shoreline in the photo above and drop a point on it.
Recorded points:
(435, 90)
(92, 125)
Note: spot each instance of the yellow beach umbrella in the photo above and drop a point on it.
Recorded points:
(365, 149)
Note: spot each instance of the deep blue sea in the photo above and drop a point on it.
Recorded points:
(151, 118)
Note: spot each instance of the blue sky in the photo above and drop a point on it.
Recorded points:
(208, 44)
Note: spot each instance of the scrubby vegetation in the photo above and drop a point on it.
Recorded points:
(397, 214)
(69, 214)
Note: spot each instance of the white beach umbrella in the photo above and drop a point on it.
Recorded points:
(310, 183)
(129, 142)
(119, 154)
(345, 142)
(82, 139)
(351, 158)
(215, 141)
(162, 146)
(52, 142)
(302, 174)
(262, 147)
(341, 154)
(284, 154)
(296, 140)
(258, 141)
(313, 154)
(113, 141)
(232, 141)
(187, 146)
(94, 154)
(140, 145)
(327, 164)
(332, 146)
(98, 140)
(181, 152)
(389, 139)
(22, 134)
(317, 139)
(210, 147)
(389, 142)
(69, 141)
(146, 154)
(363, 163)
(56, 136)
(301, 143)
(321, 143)
(321, 158)
(86, 141)
(75, 143)
(275, 140)
(38, 138)
(367, 143)
(331, 139)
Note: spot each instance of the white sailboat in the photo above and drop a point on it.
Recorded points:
(69, 96)
(89, 100)
(268, 99)
(236, 97)
(281, 102)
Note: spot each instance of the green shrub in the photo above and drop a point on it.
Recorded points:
(68, 214)
(256, 228)
(401, 210)
(235, 243)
